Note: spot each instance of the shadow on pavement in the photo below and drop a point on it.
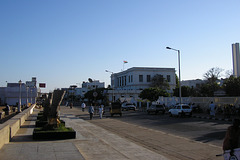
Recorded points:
(211, 136)
(28, 126)
(23, 138)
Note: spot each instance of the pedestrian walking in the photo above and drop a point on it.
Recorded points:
(212, 109)
(100, 111)
(83, 106)
(71, 105)
(91, 111)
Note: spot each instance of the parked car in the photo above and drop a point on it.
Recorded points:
(156, 108)
(180, 110)
(128, 106)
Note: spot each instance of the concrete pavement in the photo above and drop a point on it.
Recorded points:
(94, 142)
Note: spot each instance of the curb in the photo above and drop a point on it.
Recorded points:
(213, 118)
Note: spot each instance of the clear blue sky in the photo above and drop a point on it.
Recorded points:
(65, 42)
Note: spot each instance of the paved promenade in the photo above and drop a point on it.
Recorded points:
(93, 142)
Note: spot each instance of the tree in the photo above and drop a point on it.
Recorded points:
(100, 94)
(177, 81)
(228, 73)
(152, 94)
(158, 81)
(213, 74)
(186, 91)
(232, 86)
(206, 91)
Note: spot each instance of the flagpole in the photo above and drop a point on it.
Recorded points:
(124, 63)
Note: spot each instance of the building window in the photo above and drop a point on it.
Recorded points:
(161, 78)
(168, 78)
(125, 80)
(131, 78)
(148, 78)
(140, 78)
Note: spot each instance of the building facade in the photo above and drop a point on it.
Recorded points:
(130, 83)
(236, 59)
(192, 83)
(86, 86)
(14, 91)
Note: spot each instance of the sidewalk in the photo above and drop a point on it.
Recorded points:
(93, 142)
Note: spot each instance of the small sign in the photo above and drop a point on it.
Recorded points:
(42, 85)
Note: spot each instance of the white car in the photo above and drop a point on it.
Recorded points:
(128, 106)
(180, 110)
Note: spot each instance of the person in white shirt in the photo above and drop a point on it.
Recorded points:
(83, 106)
(212, 109)
(101, 111)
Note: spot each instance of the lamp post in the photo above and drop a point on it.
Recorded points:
(31, 95)
(27, 94)
(112, 84)
(180, 93)
(20, 96)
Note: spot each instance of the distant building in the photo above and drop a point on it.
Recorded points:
(192, 83)
(236, 59)
(93, 85)
(10, 94)
(130, 83)
(86, 86)
(198, 82)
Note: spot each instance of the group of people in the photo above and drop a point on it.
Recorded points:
(91, 110)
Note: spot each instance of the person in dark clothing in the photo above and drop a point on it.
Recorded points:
(231, 140)
(91, 111)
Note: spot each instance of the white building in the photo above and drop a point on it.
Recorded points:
(10, 94)
(93, 85)
(192, 83)
(236, 59)
(130, 83)
(86, 86)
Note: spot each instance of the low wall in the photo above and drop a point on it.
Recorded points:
(4, 134)
(203, 102)
(10, 127)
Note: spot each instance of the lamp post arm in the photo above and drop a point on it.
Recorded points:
(180, 93)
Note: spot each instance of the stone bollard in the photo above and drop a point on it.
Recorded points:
(2, 115)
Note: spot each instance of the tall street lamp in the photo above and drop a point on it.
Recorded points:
(20, 96)
(180, 93)
(27, 94)
(112, 84)
(31, 90)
